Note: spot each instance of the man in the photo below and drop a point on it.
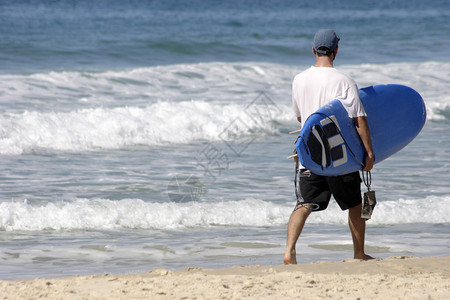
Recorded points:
(312, 89)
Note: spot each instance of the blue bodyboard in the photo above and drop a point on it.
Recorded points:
(329, 144)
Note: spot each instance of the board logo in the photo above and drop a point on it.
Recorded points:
(326, 143)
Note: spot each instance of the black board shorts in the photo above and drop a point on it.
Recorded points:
(317, 189)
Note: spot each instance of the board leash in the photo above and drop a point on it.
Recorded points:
(367, 179)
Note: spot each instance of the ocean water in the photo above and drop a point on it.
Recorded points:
(145, 134)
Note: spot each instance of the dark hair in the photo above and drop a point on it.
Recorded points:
(328, 51)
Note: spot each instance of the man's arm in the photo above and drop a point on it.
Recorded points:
(363, 130)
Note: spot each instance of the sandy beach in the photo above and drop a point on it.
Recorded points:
(391, 278)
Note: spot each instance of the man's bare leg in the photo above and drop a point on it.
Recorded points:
(295, 227)
(358, 228)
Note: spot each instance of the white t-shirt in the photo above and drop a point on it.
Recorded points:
(317, 86)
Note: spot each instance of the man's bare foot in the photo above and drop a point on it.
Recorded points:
(364, 257)
(290, 258)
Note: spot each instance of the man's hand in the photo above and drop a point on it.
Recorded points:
(363, 130)
(368, 163)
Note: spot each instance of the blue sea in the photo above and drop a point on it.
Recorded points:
(153, 134)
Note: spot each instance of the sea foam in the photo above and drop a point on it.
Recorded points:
(84, 111)
(136, 213)
(111, 128)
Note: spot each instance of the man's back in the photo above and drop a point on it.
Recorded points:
(317, 86)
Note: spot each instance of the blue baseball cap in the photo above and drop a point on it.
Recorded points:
(326, 38)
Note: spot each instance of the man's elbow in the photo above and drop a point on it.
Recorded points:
(360, 121)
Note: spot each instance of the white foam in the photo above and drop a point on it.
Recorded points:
(219, 82)
(112, 128)
(438, 108)
(135, 213)
(433, 209)
(80, 111)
